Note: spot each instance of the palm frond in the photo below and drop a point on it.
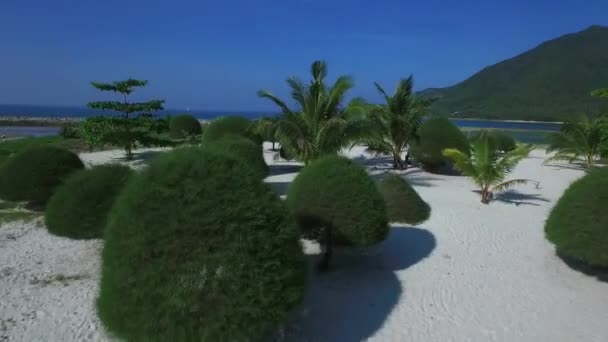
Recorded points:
(510, 183)
(268, 95)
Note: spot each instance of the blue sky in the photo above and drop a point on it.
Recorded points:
(215, 55)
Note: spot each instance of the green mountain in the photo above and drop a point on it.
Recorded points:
(550, 82)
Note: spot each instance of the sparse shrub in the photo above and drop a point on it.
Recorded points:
(403, 202)
(243, 149)
(198, 249)
(183, 126)
(230, 125)
(79, 208)
(437, 134)
(95, 131)
(69, 131)
(336, 202)
(33, 174)
(578, 224)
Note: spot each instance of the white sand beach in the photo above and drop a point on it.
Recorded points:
(472, 272)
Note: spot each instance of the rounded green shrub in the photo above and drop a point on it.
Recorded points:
(80, 206)
(243, 149)
(182, 126)
(403, 203)
(198, 249)
(503, 141)
(335, 194)
(33, 174)
(578, 224)
(437, 134)
(230, 125)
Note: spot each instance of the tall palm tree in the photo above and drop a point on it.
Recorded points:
(319, 124)
(396, 122)
(487, 167)
(585, 141)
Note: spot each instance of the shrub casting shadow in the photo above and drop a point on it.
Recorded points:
(600, 273)
(410, 176)
(517, 198)
(352, 300)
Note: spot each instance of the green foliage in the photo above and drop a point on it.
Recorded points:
(229, 125)
(600, 93)
(320, 125)
(243, 149)
(133, 124)
(266, 128)
(96, 130)
(79, 208)
(584, 140)
(549, 82)
(437, 134)
(184, 126)
(403, 203)
(14, 147)
(486, 166)
(69, 131)
(578, 224)
(336, 202)
(396, 123)
(503, 141)
(33, 175)
(199, 249)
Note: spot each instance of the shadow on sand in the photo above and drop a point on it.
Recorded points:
(518, 198)
(414, 176)
(600, 273)
(352, 300)
(282, 169)
(140, 158)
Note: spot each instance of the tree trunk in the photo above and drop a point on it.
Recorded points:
(273, 146)
(486, 196)
(327, 245)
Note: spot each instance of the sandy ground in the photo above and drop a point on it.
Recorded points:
(472, 272)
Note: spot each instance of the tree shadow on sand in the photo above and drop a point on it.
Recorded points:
(519, 198)
(414, 176)
(140, 159)
(599, 273)
(352, 300)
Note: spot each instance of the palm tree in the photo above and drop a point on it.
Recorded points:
(266, 128)
(585, 141)
(487, 167)
(320, 124)
(396, 122)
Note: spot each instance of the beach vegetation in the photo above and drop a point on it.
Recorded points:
(335, 202)
(503, 141)
(132, 120)
(243, 149)
(267, 129)
(184, 126)
(34, 174)
(487, 167)
(584, 140)
(395, 123)
(578, 224)
(435, 135)
(320, 123)
(80, 206)
(230, 125)
(197, 248)
(403, 204)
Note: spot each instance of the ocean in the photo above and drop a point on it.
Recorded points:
(524, 131)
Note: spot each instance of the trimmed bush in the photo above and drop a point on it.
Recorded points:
(336, 202)
(183, 126)
(33, 174)
(229, 125)
(198, 249)
(437, 134)
(403, 203)
(80, 206)
(243, 149)
(578, 224)
(504, 141)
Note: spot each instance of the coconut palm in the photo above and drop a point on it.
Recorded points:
(396, 122)
(319, 124)
(585, 140)
(487, 167)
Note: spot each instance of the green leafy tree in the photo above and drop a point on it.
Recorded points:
(396, 122)
(584, 141)
(133, 123)
(600, 92)
(487, 167)
(266, 128)
(320, 124)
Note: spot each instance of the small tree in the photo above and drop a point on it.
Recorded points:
(487, 167)
(267, 129)
(584, 140)
(129, 126)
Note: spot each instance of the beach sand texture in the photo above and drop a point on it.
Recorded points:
(472, 272)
